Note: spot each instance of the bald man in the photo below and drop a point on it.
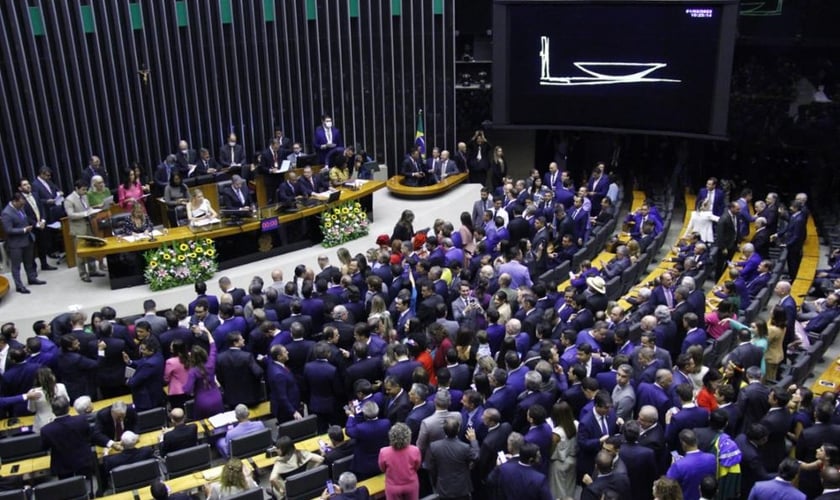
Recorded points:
(180, 436)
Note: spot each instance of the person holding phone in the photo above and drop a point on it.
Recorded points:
(346, 489)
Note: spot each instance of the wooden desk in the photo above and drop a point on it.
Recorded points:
(827, 381)
(113, 246)
(4, 286)
(29, 420)
(604, 257)
(397, 188)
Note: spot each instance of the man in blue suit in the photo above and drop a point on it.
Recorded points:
(503, 397)
(521, 480)
(284, 394)
(595, 427)
(712, 193)
(553, 179)
(693, 467)
(748, 266)
(689, 416)
(403, 368)
(656, 394)
(608, 478)
(371, 435)
(327, 139)
(421, 409)
(323, 385)
(231, 323)
(793, 236)
(781, 487)
(147, 381)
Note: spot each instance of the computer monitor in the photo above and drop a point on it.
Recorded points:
(306, 161)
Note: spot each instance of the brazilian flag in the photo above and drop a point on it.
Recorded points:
(420, 135)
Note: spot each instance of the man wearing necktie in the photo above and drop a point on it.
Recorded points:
(327, 139)
(236, 195)
(411, 172)
(231, 154)
(19, 241)
(37, 212)
(78, 212)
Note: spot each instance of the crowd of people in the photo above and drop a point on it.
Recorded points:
(453, 367)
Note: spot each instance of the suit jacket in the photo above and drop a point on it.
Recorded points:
(747, 354)
(431, 430)
(686, 418)
(14, 224)
(654, 439)
(504, 400)
(368, 368)
(752, 404)
(126, 457)
(370, 436)
(111, 369)
(652, 394)
(615, 481)
(76, 208)
(589, 439)
(752, 467)
(68, 438)
(774, 489)
(147, 383)
(718, 204)
(307, 187)
(240, 376)
(641, 469)
(178, 438)
(416, 416)
(690, 470)
(284, 394)
(403, 370)
(270, 159)
(186, 158)
(45, 193)
(523, 482)
(321, 140)
(229, 198)
(777, 423)
(231, 155)
(323, 385)
(519, 229)
(793, 235)
(726, 234)
(397, 408)
(103, 430)
(449, 462)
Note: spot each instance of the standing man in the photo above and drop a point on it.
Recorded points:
(726, 235)
(792, 237)
(412, 170)
(19, 241)
(68, 437)
(78, 209)
(93, 169)
(327, 139)
(450, 460)
(37, 211)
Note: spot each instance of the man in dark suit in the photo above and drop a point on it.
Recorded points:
(68, 439)
(657, 393)
(20, 241)
(323, 385)
(726, 235)
(236, 195)
(366, 367)
(284, 394)
(271, 158)
(580, 221)
(180, 436)
(404, 367)
(690, 470)
(46, 192)
(450, 460)
(231, 154)
(640, 462)
(746, 354)
(714, 195)
(186, 157)
(146, 383)
(607, 478)
(751, 444)
(518, 227)
(831, 484)
(652, 436)
(327, 140)
(398, 405)
(521, 480)
(793, 236)
(781, 487)
(111, 422)
(371, 435)
(420, 410)
(36, 212)
(308, 184)
(412, 169)
(130, 454)
(594, 426)
(503, 397)
(777, 421)
(754, 399)
(689, 416)
(494, 442)
(238, 373)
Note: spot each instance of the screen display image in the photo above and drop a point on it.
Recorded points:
(614, 65)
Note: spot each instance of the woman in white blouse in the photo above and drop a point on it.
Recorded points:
(199, 207)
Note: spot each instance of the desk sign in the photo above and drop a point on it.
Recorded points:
(269, 224)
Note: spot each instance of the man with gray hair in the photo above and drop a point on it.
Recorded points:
(130, 454)
(450, 460)
(236, 195)
(111, 422)
(696, 300)
(371, 435)
(84, 406)
(420, 409)
(753, 400)
(748, 266)
(244, 425)
(761, 238)
(431, 428)
(347, 489)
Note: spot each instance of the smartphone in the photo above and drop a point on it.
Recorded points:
(826, 383)
(675, 456)
(502, 457)
(330, 487)
(322, 445)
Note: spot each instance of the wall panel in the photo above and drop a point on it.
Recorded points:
(72, 84)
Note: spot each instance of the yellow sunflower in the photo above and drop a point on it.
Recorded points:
(208, 241)
(166, 256)
(327, 224)
(191, 255)
(153, 264)
(181, 258)
(345, 210)
(199, 249)
(184, 247)
(356, 210)
(210, 252)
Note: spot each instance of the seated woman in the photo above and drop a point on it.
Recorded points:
(340, 173)
(289, 461)
(139, 221)
(199, 207)
(176, 195)
(131, 190)
(98, 192)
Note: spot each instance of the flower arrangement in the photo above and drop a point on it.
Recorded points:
(180, 263)
(343, 223)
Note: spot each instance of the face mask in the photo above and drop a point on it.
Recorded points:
(232, 143)
(328, 124)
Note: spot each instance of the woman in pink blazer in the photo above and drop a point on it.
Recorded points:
(400, 463)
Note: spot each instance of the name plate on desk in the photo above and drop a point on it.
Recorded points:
(270, 224)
